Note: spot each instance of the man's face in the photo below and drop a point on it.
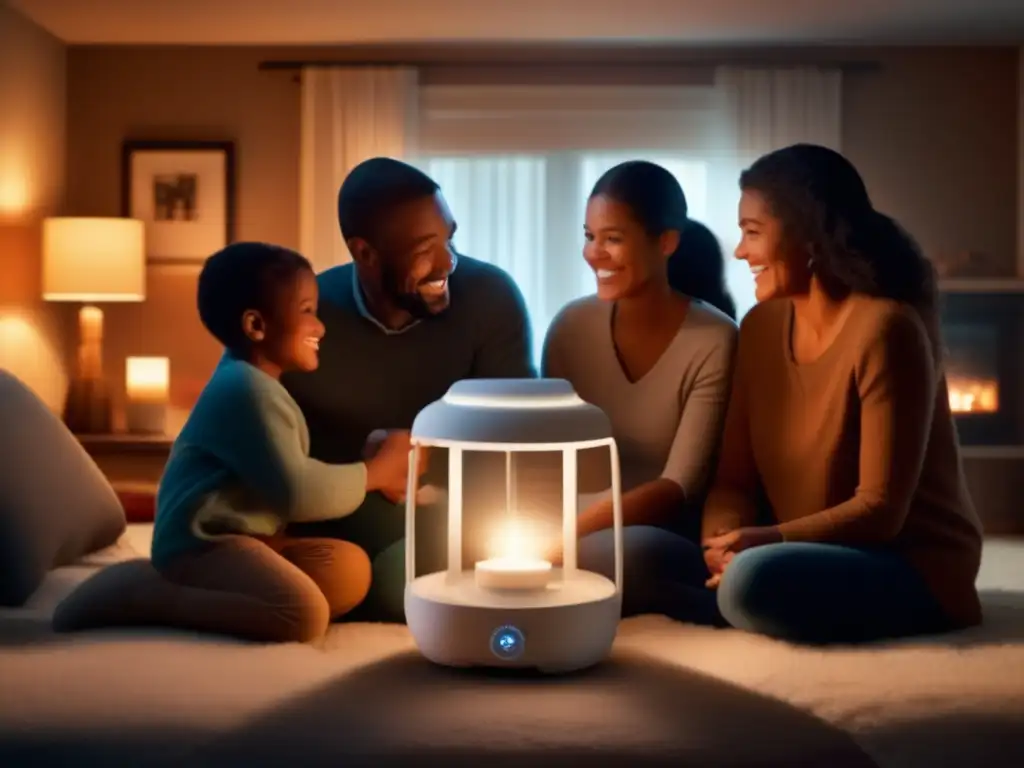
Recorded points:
(414, 256)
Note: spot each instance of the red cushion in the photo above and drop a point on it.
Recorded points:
(139, 503)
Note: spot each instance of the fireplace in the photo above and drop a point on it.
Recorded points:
(984, 337)
(972, 371)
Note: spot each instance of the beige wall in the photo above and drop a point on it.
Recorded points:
(935, 135)
(32, 124)
(934, 131)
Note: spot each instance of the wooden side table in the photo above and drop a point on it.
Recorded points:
(126, 458)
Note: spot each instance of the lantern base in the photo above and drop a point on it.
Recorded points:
(567, 626)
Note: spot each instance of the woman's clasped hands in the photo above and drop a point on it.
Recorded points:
(720, 549)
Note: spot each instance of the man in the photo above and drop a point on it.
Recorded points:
(406, 319)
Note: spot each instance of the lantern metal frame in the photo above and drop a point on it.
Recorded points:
(572, 622)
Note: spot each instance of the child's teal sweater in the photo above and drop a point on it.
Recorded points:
(241, 465)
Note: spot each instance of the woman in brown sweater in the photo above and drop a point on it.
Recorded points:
(839, 511)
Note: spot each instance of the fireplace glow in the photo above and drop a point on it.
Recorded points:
(973, 395)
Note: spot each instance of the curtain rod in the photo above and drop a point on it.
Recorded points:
(297, 65)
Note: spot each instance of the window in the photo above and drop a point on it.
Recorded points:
(499, 203)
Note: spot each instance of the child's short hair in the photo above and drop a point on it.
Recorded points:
(239, 278)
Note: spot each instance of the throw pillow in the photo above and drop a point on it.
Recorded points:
(55, 504)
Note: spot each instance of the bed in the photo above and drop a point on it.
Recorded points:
(670, 695)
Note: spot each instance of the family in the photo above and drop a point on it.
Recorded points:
(799, 476)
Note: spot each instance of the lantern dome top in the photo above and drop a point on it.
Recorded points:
(532, 414)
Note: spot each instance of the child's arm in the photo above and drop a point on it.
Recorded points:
(257, 434)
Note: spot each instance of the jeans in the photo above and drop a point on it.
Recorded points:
(800, 592)
(826, 593)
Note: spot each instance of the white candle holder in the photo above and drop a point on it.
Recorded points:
(516, 609)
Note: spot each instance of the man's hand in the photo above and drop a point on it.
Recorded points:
(720, 549)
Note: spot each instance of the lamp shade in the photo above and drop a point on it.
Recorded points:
(541, 412)
(94, 259)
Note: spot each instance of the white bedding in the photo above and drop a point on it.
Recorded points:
(672, 695)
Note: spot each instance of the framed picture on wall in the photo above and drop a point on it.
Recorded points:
(184, 192)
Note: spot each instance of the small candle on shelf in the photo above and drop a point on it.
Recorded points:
(147, 379)
(515, 568)
(147, 391)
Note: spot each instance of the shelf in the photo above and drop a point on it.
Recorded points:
(124, 443)
(992, 451)
(982, 285)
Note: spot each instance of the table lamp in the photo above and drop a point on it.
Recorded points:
(89, 260)
(514, 609)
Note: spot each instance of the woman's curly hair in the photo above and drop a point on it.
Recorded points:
(826, 211)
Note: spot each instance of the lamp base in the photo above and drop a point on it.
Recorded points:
(566, 627)
(87, 408)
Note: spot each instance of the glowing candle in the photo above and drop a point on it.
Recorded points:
(147, 390)
(516, 568)
(512, 573)
(147, 379)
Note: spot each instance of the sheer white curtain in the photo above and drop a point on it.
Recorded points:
(764, 110)
(500, 203)
(768, 109)
(348, 115)
(516, 163)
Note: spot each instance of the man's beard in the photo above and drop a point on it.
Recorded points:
(411, 302)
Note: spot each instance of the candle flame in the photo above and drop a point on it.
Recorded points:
(514, 541)
(147, 371)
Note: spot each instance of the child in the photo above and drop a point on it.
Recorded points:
(240, 469)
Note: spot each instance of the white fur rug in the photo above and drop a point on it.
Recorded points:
(944, 702)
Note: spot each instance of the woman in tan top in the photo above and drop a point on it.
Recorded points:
(839, 511)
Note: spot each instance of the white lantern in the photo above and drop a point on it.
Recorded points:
(516, 609)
